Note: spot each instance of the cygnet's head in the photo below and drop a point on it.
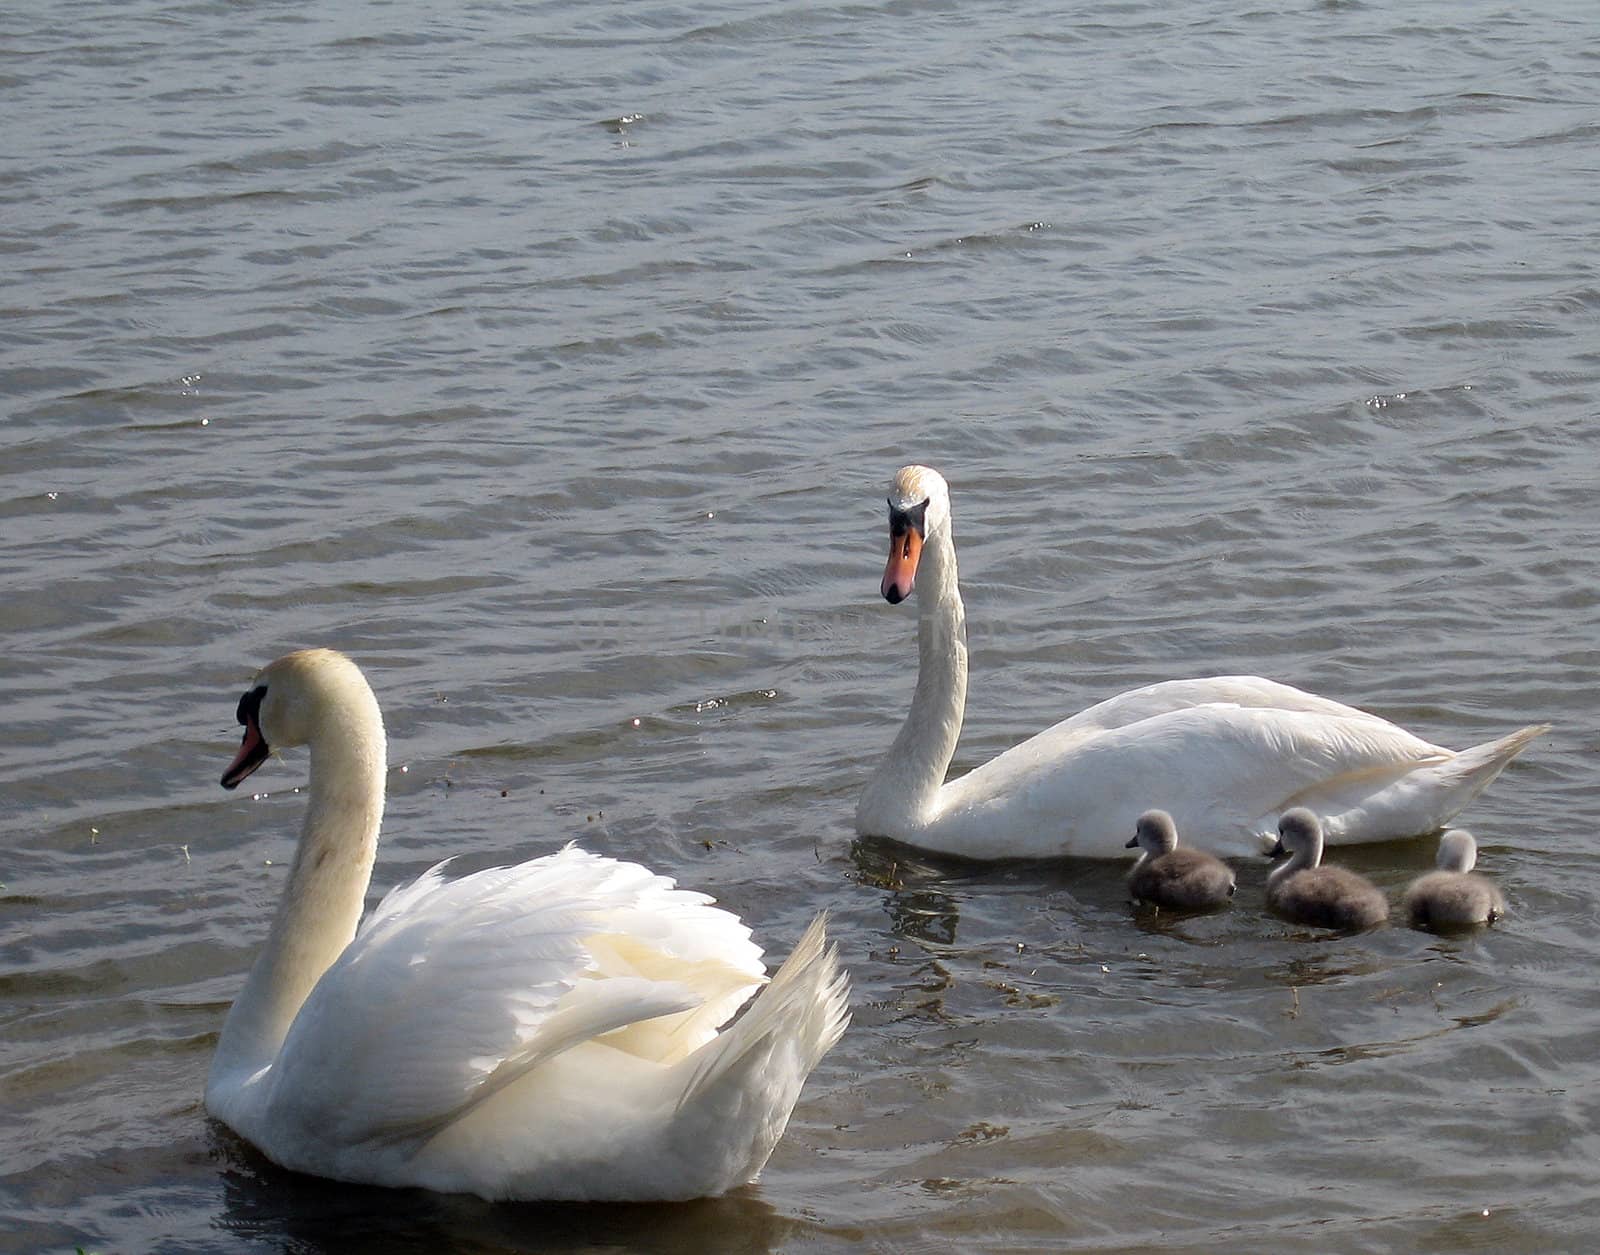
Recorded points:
(919, 507)
(1299, 835)
(292, 701)
(1458, 852)
(1155, 834)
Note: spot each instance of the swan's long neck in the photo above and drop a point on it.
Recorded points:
(902, 796)
(327, 886)
(1457, 853)
(1305, 856)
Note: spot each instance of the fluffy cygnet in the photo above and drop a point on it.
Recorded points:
(1453, 897)
(1326, 897)
(1180, 880)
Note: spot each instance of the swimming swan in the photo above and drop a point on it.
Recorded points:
(1453, 896)
(1308, 893)
(1224, 756)
(543, 1031)
(1178, 879)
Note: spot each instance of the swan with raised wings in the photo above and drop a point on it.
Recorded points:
(554, 1030)
(1224, 756)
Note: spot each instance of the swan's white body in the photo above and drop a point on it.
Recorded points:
(1224, 756)
(544, 1031)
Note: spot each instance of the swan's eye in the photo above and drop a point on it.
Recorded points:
(912, 519)
(250, 706)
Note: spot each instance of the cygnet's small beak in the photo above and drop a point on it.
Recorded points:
(1277, 850)
(1133, 842)
(900, 575)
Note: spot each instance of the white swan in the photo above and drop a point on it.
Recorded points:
(1223, 756)
(544, 1031)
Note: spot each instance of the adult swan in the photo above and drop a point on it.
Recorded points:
(544, 1031)
(1223, 756)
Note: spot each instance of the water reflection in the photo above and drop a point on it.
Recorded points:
(1198, 928)
(1323, 968)
(919, 906)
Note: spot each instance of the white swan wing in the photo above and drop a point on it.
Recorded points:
(451, 989)
(1252, 692)
(1223, 771)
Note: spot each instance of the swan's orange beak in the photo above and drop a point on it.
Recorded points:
(253, 749)
(252, 753)
(900, 575)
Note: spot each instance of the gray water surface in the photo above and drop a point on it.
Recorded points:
(552, 360)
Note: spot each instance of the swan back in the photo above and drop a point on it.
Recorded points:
(460, 987)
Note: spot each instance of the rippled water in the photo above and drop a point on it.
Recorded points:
(551, 359)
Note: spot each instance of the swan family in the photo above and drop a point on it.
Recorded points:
(570, 1028)
(1223, 756)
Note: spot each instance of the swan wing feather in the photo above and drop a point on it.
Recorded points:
(1250, 692)
(452, 988)
(1222, 770)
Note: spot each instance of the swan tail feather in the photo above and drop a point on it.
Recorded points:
(1421, 800)
(745, 1083)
